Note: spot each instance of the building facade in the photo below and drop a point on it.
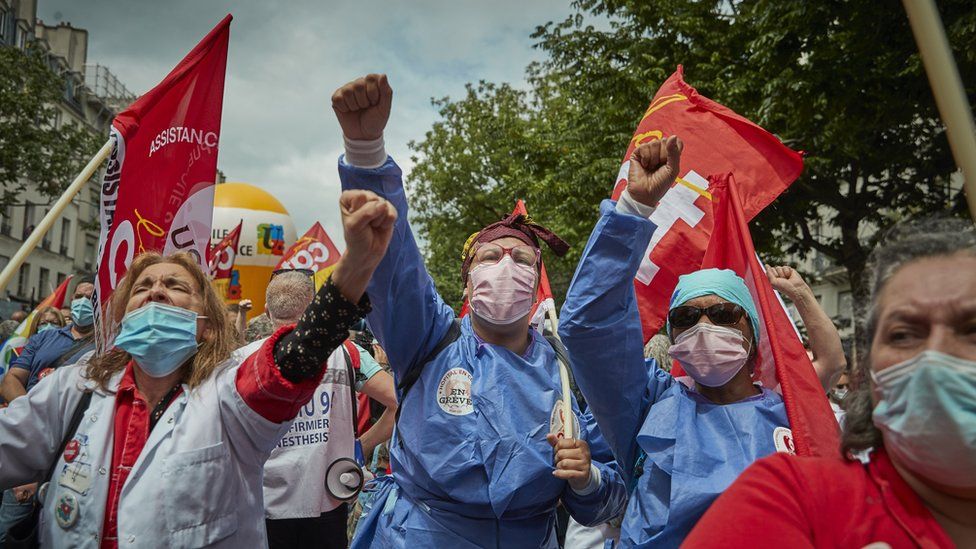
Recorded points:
(92, 96)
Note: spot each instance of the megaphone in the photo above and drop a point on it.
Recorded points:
(344, 479)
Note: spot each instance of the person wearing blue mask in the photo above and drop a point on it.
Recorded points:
(679, 443)
(47, 349)
(912, 410)
(160, 440)
(476, 460)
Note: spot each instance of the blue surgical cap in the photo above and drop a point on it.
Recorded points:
(721, 282)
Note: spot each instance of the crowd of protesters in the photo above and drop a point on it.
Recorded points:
(366, 413)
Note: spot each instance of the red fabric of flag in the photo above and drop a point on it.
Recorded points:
(157, 193)
(781, 359)
(314, 251)
(716, 140)
(221, 257)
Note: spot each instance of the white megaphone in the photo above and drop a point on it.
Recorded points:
(344, 479)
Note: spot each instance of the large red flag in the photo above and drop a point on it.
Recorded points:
(314, 251)
(159, 185)
(781, 359)
(716, 140)
(220, 259)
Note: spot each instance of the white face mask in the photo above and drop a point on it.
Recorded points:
(711, 354)
(927, 416)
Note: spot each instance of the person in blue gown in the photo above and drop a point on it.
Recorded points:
(679, 443)
(474, 451)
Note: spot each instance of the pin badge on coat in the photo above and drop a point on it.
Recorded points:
(66, 511)
(454, 392)
(557, 423)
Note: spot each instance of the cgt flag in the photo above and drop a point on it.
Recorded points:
(157, 194)
(314, 251)
(15, 343)
(220, 259)
(716, 140)
(780, 358)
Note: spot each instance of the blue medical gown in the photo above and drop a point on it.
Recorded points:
(694, 448)
(476, 475)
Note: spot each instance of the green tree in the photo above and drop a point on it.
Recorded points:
(841, 80)
(35, 150)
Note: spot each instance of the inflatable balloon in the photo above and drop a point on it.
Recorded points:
(267, 232)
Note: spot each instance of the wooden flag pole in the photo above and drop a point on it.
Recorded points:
(950, 96)
(567, 403)
(42, 228)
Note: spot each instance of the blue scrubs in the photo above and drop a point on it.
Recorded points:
(694, 448)
(42, 350)
(471, 465)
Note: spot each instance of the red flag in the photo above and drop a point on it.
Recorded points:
(716, 140)
(221, 256)
(314, 251)
(158, 189)
(781, 359)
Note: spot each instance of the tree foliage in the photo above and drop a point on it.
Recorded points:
(35, 150)
(842, 80)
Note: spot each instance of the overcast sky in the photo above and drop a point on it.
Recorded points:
(286, 58)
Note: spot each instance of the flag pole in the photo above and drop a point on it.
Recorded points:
(42, 228)
(567, 404)
(950, 96)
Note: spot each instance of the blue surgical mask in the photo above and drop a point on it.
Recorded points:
(82, 312)
(160, 337)
(47, 327)
(927, 415)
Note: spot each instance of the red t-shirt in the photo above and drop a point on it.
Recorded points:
(788, 501)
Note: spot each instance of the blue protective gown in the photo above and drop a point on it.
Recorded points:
(475, 474)
(694, 449)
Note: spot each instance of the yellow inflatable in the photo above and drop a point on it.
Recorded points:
(267, 232)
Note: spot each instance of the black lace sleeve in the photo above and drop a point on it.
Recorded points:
(324, 325)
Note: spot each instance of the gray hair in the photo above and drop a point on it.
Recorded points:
(904, 243)
(287, 297)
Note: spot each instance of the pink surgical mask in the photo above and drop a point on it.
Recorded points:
(503, 292)
(711, 354)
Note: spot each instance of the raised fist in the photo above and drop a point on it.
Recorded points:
(787, 281)
(653, 169)
(363, 106)
(367, 222)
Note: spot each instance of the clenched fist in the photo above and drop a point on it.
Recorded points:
(363, 107)
(367, 222)
(653, 169)
(788, 282)
(572, 460)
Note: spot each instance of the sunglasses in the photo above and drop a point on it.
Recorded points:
(723, 314)
(306, 272)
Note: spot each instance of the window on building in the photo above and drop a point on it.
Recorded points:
(89, 256)
(7, 221)
(44, 282)
(46, 239)
(23, 280)
(845, 305)
(65, 236)
(5, 17)
(3, 261)
(28, 219)
(61, 277)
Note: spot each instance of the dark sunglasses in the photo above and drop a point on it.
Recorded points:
(306, 272)
(724, 314)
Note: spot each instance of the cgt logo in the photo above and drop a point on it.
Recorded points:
(271, 239)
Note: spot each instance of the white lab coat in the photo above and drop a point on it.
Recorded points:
(197, 481)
